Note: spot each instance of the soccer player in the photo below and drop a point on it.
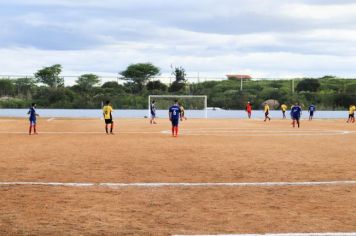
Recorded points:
(248, 109)
(32, 118)
(284, 109)
(182, 112)
(266, 110)
(107, 110)
(174, 116)
(295, 113)
(351, 118)
(153, 112)
(311, 111)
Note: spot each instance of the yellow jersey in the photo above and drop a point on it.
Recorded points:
(266, 108)
(107, 112)
(284, 107)
(352, 109)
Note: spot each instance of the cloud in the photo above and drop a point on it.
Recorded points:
(264, 38)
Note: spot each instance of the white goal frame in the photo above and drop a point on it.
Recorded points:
(180, 96)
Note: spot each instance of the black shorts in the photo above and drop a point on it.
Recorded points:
(351, 115)
(266, 113)
(108, 121)
(175, 122)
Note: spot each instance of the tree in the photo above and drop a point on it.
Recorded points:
(87, 81)
(6, 87)
(24, 86)
(156, 85)
(180, 81)
(111, 84)
(139, 74)
(50, 76)
(310, 85)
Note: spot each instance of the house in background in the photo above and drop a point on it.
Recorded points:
(238, 77)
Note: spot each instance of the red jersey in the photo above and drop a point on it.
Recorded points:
(248, 107)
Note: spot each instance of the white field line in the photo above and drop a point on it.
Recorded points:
(80, 132)
(270, 234)
(160, 185)
(256, 133)
(50, 119)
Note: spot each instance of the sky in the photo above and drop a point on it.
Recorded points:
(212, 38)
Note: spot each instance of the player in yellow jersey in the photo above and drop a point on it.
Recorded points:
(284, 109)
(351, 118)
(182, 112)
(107, 110)
(266, 110)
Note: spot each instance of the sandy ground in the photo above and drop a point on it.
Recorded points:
(205, 151)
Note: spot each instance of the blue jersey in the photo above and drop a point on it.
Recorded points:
(175, 112)
(311, 108)
(296, 111)
(153, 109)
(32, 113)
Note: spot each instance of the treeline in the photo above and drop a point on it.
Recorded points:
(47, 89)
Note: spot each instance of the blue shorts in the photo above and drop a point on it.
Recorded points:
(175, 122)
(296, 117)
(32, 121)
(153, 115)
(311, 113)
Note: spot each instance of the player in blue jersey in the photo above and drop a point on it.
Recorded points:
(174, 116)
(296, 112)
(153, 112)
(311, 111)
(32, 118)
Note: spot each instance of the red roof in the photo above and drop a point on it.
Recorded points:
(238, 77)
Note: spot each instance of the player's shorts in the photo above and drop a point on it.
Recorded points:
(153, 115)
(311, 113)
(108, 121)
(266, 113)
(175, 122)
(351, 115)
(33, 121)
(296, 117)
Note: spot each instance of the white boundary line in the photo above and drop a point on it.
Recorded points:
(81, 132)
(270, 234)
(160, 185)
(257, 133)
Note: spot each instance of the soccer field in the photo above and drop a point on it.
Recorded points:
(218, 177)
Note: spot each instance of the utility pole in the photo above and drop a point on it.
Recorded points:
(292, 85)
(241, 82)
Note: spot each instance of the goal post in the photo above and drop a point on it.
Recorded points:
(189, 102)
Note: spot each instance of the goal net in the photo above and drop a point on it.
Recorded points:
(195, 106)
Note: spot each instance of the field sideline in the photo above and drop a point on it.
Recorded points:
(207, 152)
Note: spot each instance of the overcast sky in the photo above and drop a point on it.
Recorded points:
(269, 38)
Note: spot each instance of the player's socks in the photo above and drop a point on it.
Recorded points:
(111, 127)
(176, 130)
(106, 129)
(30, 130)
(34, 129)
(172, 130)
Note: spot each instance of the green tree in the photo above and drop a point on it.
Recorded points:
(24, 86)
(156, 85)
(180, 81)
(50, 76)
(138, 75)
(308, 85)
(6, 87)
(87, 81)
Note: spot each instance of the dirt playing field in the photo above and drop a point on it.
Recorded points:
(206, 151)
